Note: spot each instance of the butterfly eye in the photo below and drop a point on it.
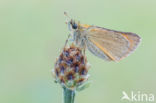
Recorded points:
(74, 26)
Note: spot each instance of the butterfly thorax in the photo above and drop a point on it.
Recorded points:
(79, 37)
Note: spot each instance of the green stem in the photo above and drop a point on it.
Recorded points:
(69, 95)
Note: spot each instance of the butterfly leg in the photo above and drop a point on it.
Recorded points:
(84, 50)
(84, 47)
(67, 40)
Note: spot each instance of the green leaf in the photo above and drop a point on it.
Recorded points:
(83, 86)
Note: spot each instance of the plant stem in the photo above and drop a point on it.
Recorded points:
(69, 95)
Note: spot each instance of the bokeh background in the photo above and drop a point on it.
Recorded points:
(32, 33)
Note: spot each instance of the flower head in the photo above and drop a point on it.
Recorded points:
(71, 68)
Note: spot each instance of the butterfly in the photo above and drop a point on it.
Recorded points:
(110, 45)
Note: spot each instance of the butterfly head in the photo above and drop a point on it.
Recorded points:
(72, 25)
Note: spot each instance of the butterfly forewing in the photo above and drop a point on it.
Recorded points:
(113, 44)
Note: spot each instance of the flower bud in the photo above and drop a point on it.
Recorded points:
(71, 68)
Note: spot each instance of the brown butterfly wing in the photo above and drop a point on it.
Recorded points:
(116, 45)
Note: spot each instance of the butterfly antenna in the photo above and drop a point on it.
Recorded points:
(66, 14)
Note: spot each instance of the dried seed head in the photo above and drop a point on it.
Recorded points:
(71, 68)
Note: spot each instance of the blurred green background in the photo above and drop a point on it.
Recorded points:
(32, 32)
